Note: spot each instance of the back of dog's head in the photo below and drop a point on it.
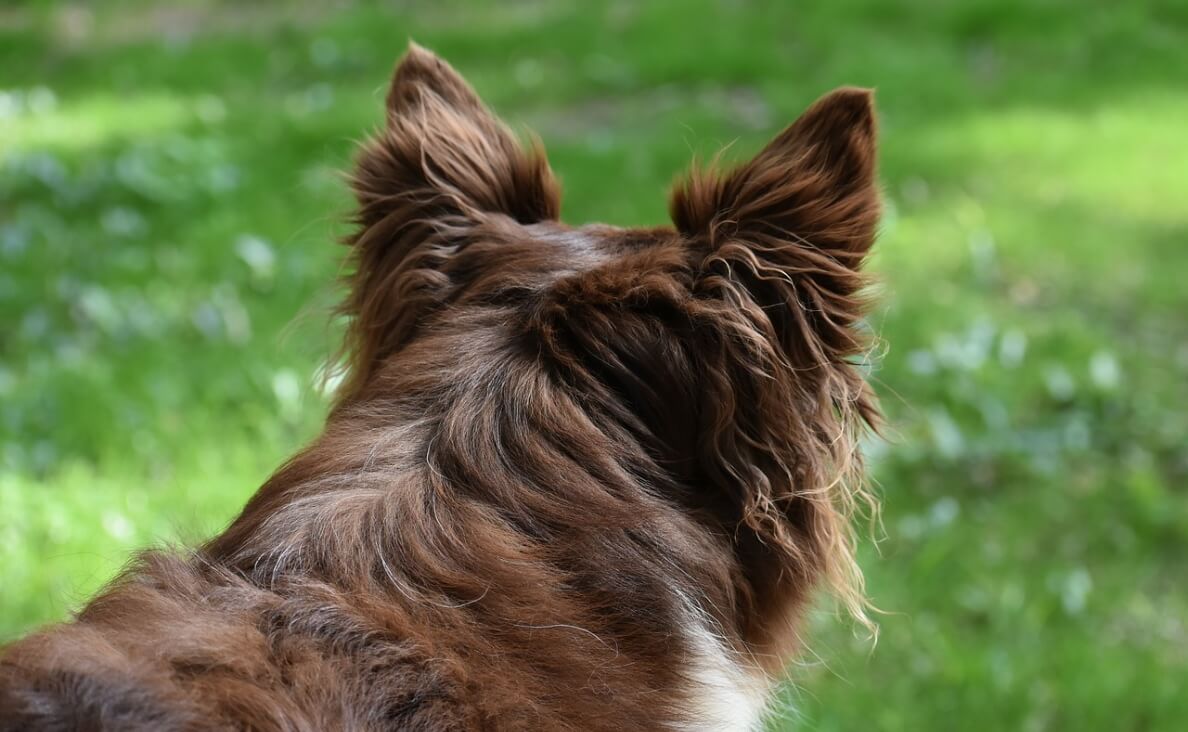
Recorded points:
(725, 345)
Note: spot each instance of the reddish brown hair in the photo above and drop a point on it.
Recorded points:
(566, 467)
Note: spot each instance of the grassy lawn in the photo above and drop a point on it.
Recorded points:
(170, 192)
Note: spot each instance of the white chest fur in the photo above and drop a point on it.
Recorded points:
(727, 695)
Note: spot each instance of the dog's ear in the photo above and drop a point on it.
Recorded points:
(791, 228)
(778, 246)
(440, 168)
(442, 153)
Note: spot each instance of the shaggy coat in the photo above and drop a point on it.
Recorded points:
(574, 479)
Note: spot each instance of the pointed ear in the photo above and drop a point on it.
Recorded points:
(441, 166)
(442, 153)
(777, 247)
(815, 181)
(793, 226)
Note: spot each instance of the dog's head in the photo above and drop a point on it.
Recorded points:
(725, 345)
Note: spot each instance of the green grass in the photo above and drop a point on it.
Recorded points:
(169, 193)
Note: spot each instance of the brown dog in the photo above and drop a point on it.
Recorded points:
(576, 478)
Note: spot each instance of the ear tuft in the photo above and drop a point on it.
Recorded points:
(421, 70)
(849, 108)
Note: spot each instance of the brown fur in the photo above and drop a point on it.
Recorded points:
(555, 449)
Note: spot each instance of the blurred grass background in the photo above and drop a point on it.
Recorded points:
(169, 193)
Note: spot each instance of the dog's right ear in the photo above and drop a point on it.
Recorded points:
(779, 245)
(788, 232)
(441, 164)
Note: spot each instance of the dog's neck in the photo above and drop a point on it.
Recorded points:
(467, 490)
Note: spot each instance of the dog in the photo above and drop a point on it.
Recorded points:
(574, 478)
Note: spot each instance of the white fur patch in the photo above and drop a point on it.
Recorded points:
(727, 696)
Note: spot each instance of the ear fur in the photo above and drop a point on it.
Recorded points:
(440, 169)
(443, 152)
(780, 243)
(814, 181)
(793, 226)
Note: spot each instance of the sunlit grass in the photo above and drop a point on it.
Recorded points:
(35, 120)
(1120, 155)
